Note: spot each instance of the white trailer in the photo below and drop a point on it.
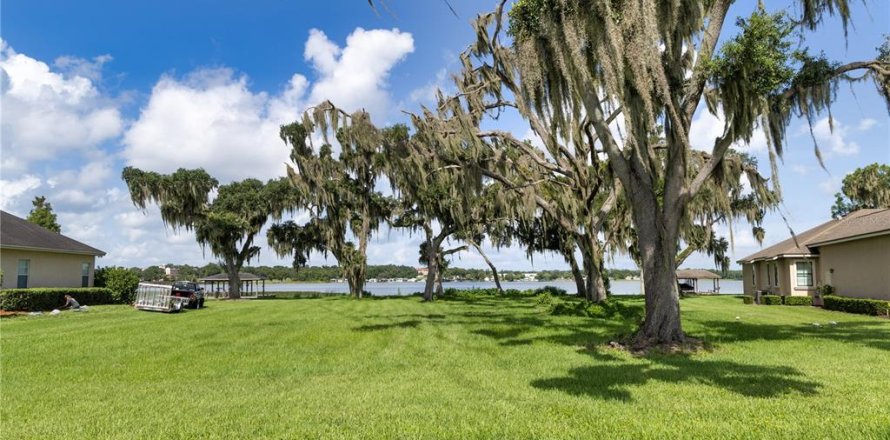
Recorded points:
(158, 298)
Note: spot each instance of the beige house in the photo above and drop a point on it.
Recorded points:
(32, 256)
(851, 254)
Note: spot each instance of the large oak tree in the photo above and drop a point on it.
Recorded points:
(339, 189)
(227, 224)
(623, 81)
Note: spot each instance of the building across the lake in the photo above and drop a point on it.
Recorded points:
(851, 254)
(33, 256)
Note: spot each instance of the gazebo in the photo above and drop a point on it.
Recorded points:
(251, 285)
(688, 279)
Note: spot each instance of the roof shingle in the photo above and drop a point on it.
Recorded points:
(18, 233)
(859, 223)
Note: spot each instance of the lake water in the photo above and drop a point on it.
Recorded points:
(618, 287)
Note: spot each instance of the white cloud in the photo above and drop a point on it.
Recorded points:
(834, 141)
(427, 92)
(708, 127)
(211, 119)
(91, 175)
(866, 124)
(75, 66)
(354, 77)
(46, 113)
(831, 185)
(11, 190)
(800, 169)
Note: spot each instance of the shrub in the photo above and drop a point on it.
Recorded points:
(856, 305)
(747, 299)
(553, 290)
(771, 300)
(53, 297)
(798, 301)
(604, 310)
(122, 282)
(572, 308)
(545, 299)
(475, 292)
(518, 293)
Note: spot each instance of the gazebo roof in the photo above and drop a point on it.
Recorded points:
(245, 276)
(692, 274)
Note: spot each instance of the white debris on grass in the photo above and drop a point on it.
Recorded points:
(832, 322)
(55, 312)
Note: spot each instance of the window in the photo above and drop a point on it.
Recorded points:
(804, 273)
(754, 275)
(24, 269)
(85, 275)
(772, 274)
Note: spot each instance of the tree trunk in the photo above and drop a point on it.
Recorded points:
(658, 252)
(576, 273)
(432, 263)
(361, 268)
(432, 267)
(357, 282)
(494, 270)
(595, 288)
(232, 270)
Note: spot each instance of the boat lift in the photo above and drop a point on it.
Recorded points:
(158, 298)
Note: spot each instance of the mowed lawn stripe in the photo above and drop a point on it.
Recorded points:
(399, 368)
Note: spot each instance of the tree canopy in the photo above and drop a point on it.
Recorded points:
(622, 83)
(42, 214)
(338, 191)
(867, 187)
(228, 224)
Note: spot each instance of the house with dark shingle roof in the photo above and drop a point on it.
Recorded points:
(33, 256)
(851, 254)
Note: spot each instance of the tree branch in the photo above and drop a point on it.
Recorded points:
(696, 84)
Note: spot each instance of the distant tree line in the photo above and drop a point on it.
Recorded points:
(187, 272)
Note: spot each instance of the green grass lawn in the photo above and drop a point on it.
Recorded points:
(399, 368)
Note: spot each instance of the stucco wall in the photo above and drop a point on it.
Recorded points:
(47, 269)
(797, 290)
(861, 268)
(787, 277)
(747, 287)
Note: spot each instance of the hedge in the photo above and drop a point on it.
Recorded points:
(798, 301)
(122, 282)
(856, 305)
(747, 299)
(771, 300)
(53, 297)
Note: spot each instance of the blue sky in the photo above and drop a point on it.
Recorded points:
(92, 86)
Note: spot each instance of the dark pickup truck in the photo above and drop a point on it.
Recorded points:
(187, 289)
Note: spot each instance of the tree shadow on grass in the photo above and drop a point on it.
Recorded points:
(613, 381)
(510, 329)
(874, 334)
(428, 316)
(388, 326)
